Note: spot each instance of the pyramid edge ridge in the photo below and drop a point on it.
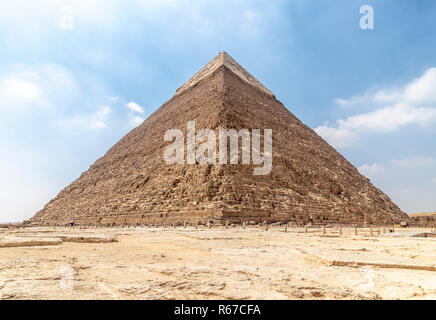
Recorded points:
(223, 59)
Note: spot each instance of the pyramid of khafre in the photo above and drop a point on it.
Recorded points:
(133, 184)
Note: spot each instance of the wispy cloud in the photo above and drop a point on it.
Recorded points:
(419, 91)
(412, 104)
(371, 171)
(113, 98)
(338, 137)
(340, 101)
(93, 121)
(136, 121)
(135, 107)
(29, 87)
(412, 162)
(20, 90)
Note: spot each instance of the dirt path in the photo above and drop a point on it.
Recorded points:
(178, 263)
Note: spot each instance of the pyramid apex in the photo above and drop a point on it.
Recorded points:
(223, 59)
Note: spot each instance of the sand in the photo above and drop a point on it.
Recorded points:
(237, 263)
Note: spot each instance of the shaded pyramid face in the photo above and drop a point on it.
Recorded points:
(133, 184)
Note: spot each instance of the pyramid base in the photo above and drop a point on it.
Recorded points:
(253, 216)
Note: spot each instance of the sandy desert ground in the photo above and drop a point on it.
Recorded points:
(217, 263)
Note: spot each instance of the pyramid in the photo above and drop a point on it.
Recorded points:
(133, 184)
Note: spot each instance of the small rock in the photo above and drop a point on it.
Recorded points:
(316, 293)
(298, 293)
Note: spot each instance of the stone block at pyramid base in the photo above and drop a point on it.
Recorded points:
(132, 183)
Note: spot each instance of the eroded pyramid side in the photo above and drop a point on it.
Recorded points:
(309, 181)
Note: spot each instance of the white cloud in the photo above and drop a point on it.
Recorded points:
(340, 101)
(389, 118)
(46, 16)
(135, 107)
(18, 91)
(113, 98)
(104, 111)
(412, 162)
(97, 125)
(55, 10)
(418, 92)
(137, 121)
(337, 137)
(422, 90)
(433, 180)
(371, 171)
(29, 87)
(93, 121)
(412, 104)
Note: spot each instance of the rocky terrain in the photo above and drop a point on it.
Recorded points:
(217, 263)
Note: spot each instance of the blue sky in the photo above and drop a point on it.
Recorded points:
(75, 76)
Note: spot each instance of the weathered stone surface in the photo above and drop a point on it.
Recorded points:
(87, 238)
(28, 242)
(309, 181)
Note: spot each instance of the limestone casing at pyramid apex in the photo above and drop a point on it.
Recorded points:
(224, 59)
